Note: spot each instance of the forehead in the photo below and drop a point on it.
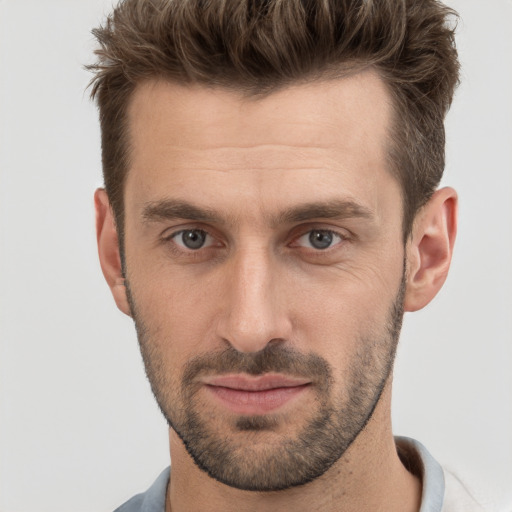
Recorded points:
(349, 110)
(311, 136)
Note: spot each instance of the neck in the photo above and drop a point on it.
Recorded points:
(369, 476)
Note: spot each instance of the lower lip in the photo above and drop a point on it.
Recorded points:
(256, 402)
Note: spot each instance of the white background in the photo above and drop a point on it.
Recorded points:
(78, 427)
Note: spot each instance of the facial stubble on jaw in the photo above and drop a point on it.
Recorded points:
(238, 457)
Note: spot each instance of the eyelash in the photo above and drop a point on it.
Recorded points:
(334, 234)
(180, 250)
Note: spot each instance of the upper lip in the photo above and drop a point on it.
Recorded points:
(254, 383)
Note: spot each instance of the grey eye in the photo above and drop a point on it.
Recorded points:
(191, 238)
(321, 239)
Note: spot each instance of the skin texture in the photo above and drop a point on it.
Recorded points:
(256, 177)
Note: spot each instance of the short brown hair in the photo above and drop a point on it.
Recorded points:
(258, 46)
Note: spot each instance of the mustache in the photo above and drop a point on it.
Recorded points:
(274, 358)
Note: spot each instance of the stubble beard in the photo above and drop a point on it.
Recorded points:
(241, 456)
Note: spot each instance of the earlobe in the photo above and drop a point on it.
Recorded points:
(108, 250)
(430, 249)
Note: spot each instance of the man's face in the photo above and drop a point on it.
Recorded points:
(264, 266)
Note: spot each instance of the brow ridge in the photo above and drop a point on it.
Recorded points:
(170, 209)
(332, 209)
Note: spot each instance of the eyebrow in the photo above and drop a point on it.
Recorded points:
(333, 209)
(171, 209)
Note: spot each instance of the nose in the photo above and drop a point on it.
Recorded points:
(254, 312)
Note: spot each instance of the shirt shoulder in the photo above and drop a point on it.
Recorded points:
(443, 490)
(132, 505)
(153, 500)
(458, 498)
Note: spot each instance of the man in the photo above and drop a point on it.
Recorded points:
(270, 211)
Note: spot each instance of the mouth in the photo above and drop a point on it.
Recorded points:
(245, 394)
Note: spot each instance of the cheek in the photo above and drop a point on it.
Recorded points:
(175, 313)
(334, 316)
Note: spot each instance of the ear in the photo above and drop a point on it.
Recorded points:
(430, 249)
(108, 250)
